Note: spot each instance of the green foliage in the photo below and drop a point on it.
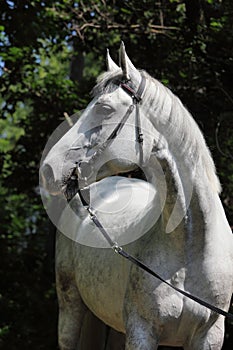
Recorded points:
(51, 54)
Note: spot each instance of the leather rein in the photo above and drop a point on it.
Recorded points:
(79, 172)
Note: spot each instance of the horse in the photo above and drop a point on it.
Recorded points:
(136, 130)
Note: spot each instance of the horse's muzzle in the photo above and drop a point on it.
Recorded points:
(47, 180)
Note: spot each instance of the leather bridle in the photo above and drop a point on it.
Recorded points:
(78, 174)
(84, 168)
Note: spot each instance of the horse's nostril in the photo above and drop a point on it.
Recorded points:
(47, 177)
(47, 171)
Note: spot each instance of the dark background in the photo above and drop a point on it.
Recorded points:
(51, 54)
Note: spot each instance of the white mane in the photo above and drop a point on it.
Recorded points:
(172, 120)
(180, 130)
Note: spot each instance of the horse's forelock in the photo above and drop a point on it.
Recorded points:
(106, 82)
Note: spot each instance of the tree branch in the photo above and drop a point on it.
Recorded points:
(151, 28)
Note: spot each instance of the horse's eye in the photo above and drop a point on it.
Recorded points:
(103, 110)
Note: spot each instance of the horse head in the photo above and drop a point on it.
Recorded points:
(107, 138)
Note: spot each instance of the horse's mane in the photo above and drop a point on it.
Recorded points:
(181, 131)
(172, 120)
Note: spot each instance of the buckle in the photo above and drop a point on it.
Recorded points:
(117, 249)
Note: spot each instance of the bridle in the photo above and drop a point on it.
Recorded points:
(84, 168)
(78, 174)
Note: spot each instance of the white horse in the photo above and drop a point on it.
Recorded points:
(189, 243)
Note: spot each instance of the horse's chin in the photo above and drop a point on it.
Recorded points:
(72, 188)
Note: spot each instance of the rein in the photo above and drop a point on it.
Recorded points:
(79, 171)
(119, 250)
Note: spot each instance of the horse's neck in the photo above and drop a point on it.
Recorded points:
(192, 216)
(188, 177)
(183, 198)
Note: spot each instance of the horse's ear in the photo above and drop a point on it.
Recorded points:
(111, 65)
(125, 63)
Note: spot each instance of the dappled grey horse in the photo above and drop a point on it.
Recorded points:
(137, 129)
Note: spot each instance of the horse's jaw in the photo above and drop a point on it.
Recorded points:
(79, 179)
(130, 170)
(127, 209)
